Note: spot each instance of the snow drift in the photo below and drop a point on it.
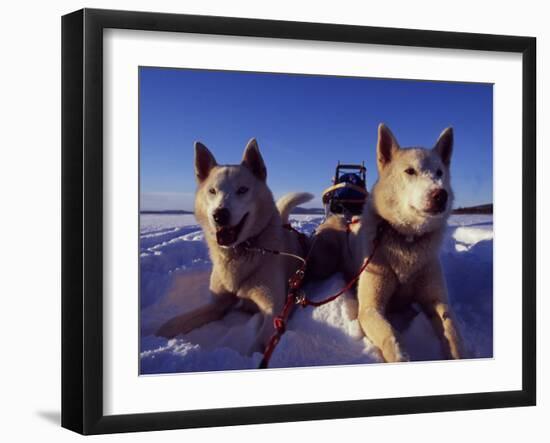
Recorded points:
(174, 271)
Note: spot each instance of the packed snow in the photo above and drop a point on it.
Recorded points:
(174, 273)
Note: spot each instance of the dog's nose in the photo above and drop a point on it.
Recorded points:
(222, 216)
(439, 199)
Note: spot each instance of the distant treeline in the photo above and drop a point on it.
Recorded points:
(300, 210)
(480, 209)
(167, 212)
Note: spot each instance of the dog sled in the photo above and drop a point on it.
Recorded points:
(346, 197)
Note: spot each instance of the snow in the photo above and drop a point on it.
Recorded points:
(174, 272)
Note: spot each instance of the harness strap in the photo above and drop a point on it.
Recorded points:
(295, 296)
(279, 324)
(352, 222)
(304, 301)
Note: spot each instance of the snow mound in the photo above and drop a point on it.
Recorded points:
(175, 269)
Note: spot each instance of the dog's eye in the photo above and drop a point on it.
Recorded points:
(212, 191)
(439, 173)
(242, 190)
(410, 171)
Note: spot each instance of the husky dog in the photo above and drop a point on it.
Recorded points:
(238, 215)
(409, 204)
(406, 212)
(330, 250)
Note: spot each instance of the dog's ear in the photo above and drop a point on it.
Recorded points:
(253, 160)
(386, 147)
(204, 162)
(444, 145)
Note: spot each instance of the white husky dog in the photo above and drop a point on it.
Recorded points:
(238, 215)
(409, 204)
(407, 214)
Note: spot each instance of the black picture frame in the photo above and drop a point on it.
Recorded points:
(82, 220)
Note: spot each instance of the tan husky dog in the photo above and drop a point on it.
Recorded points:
(407, 212)
(411, 202)
(238, 215)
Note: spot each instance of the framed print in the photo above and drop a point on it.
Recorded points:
(312, 220)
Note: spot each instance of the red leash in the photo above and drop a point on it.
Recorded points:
(294, 297)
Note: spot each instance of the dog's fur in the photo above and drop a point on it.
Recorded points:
(405, 267)
(330, 250)
(258, 280)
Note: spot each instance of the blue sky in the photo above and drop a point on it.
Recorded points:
(304, 125)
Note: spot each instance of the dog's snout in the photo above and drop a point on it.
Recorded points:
(221, 216)
(439, 199)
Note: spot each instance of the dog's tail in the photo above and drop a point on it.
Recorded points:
(289, 201)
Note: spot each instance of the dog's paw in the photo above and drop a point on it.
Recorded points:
(456, 352)
(166, 330)
(173, 327)
(402, 356)
(392, 351)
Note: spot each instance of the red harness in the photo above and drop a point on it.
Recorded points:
(297, 297)
(352, 222)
